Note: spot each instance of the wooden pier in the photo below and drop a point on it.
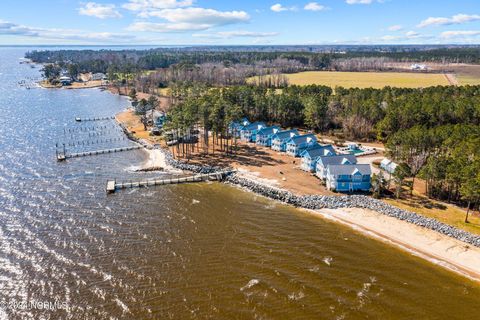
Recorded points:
(61, 156)
(78, 119)
(112, 185)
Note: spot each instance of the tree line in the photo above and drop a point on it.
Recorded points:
(433, 133)
(217, 66)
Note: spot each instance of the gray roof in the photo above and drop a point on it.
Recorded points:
(302, 138)
(349, 169)
(268, 130)
(337, 159)
(282, 135)
(238, 124)
(255, 126)
(317, 151)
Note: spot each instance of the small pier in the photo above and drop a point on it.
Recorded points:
(112, 185)
(78, 119)
(62, 156)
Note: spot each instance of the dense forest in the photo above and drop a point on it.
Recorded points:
(434, 133)
(281, 59)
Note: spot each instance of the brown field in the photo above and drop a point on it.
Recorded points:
(367, 79)
(467, 74)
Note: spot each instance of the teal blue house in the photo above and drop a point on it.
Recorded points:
(311, 155)
(236, 127)
(349, 177)
(279, 140)
(248, 133)
(264, 136)
(295, 145)
(324, 162)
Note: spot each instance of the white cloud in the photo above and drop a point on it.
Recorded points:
(142, 5)
(359, 1)
(235, 34)
(412, 34)
(279, 8)
(10, 28)
(396, 27)
(441, 21)
(166, 27)
(189, 19)
(314, 6)
(456, 34)
(102, 11)
(406, 37)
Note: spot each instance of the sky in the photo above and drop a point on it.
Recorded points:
(241, 22)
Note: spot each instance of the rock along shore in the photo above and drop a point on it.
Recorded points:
(315, 202)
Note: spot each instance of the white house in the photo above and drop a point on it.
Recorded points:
(99, 76)
(418, 67)
(388, 165)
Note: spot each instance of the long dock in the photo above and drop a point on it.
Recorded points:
(63, 156)
(78, 119)
(112, 185)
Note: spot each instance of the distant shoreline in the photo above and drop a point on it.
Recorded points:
(74, 86)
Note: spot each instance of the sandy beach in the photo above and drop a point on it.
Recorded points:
(442, 250)
(274, 169)
(156, 159)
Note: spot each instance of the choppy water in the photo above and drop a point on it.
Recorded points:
(178, 252)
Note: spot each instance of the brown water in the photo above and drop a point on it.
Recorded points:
(205, 251)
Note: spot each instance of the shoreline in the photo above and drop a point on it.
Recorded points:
(440, 250)
(74, 86)
(427, 238)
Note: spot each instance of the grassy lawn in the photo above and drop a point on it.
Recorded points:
(464, 80)
(448, 214)
(367, 79)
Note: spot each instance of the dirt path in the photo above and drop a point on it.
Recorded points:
(452, 79)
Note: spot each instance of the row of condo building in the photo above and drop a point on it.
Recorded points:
(341, 172)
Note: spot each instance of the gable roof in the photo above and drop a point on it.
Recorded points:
(255, 126)
(337, 159)
(286, 134)
(243, 122)
(239, 124)
(302, 139)
(385, 162)
(349, 169)
(318, 151)
(268, 130)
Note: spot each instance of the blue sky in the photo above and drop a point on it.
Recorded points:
(180, 22)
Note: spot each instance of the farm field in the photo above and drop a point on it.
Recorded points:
(367, 79)
(468, 74)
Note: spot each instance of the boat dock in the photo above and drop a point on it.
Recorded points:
(78, 119)
(61, 156)
(112, 185)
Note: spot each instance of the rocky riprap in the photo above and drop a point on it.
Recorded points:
(190, 167)
(316, 202)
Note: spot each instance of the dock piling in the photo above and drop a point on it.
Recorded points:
(112, 185)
